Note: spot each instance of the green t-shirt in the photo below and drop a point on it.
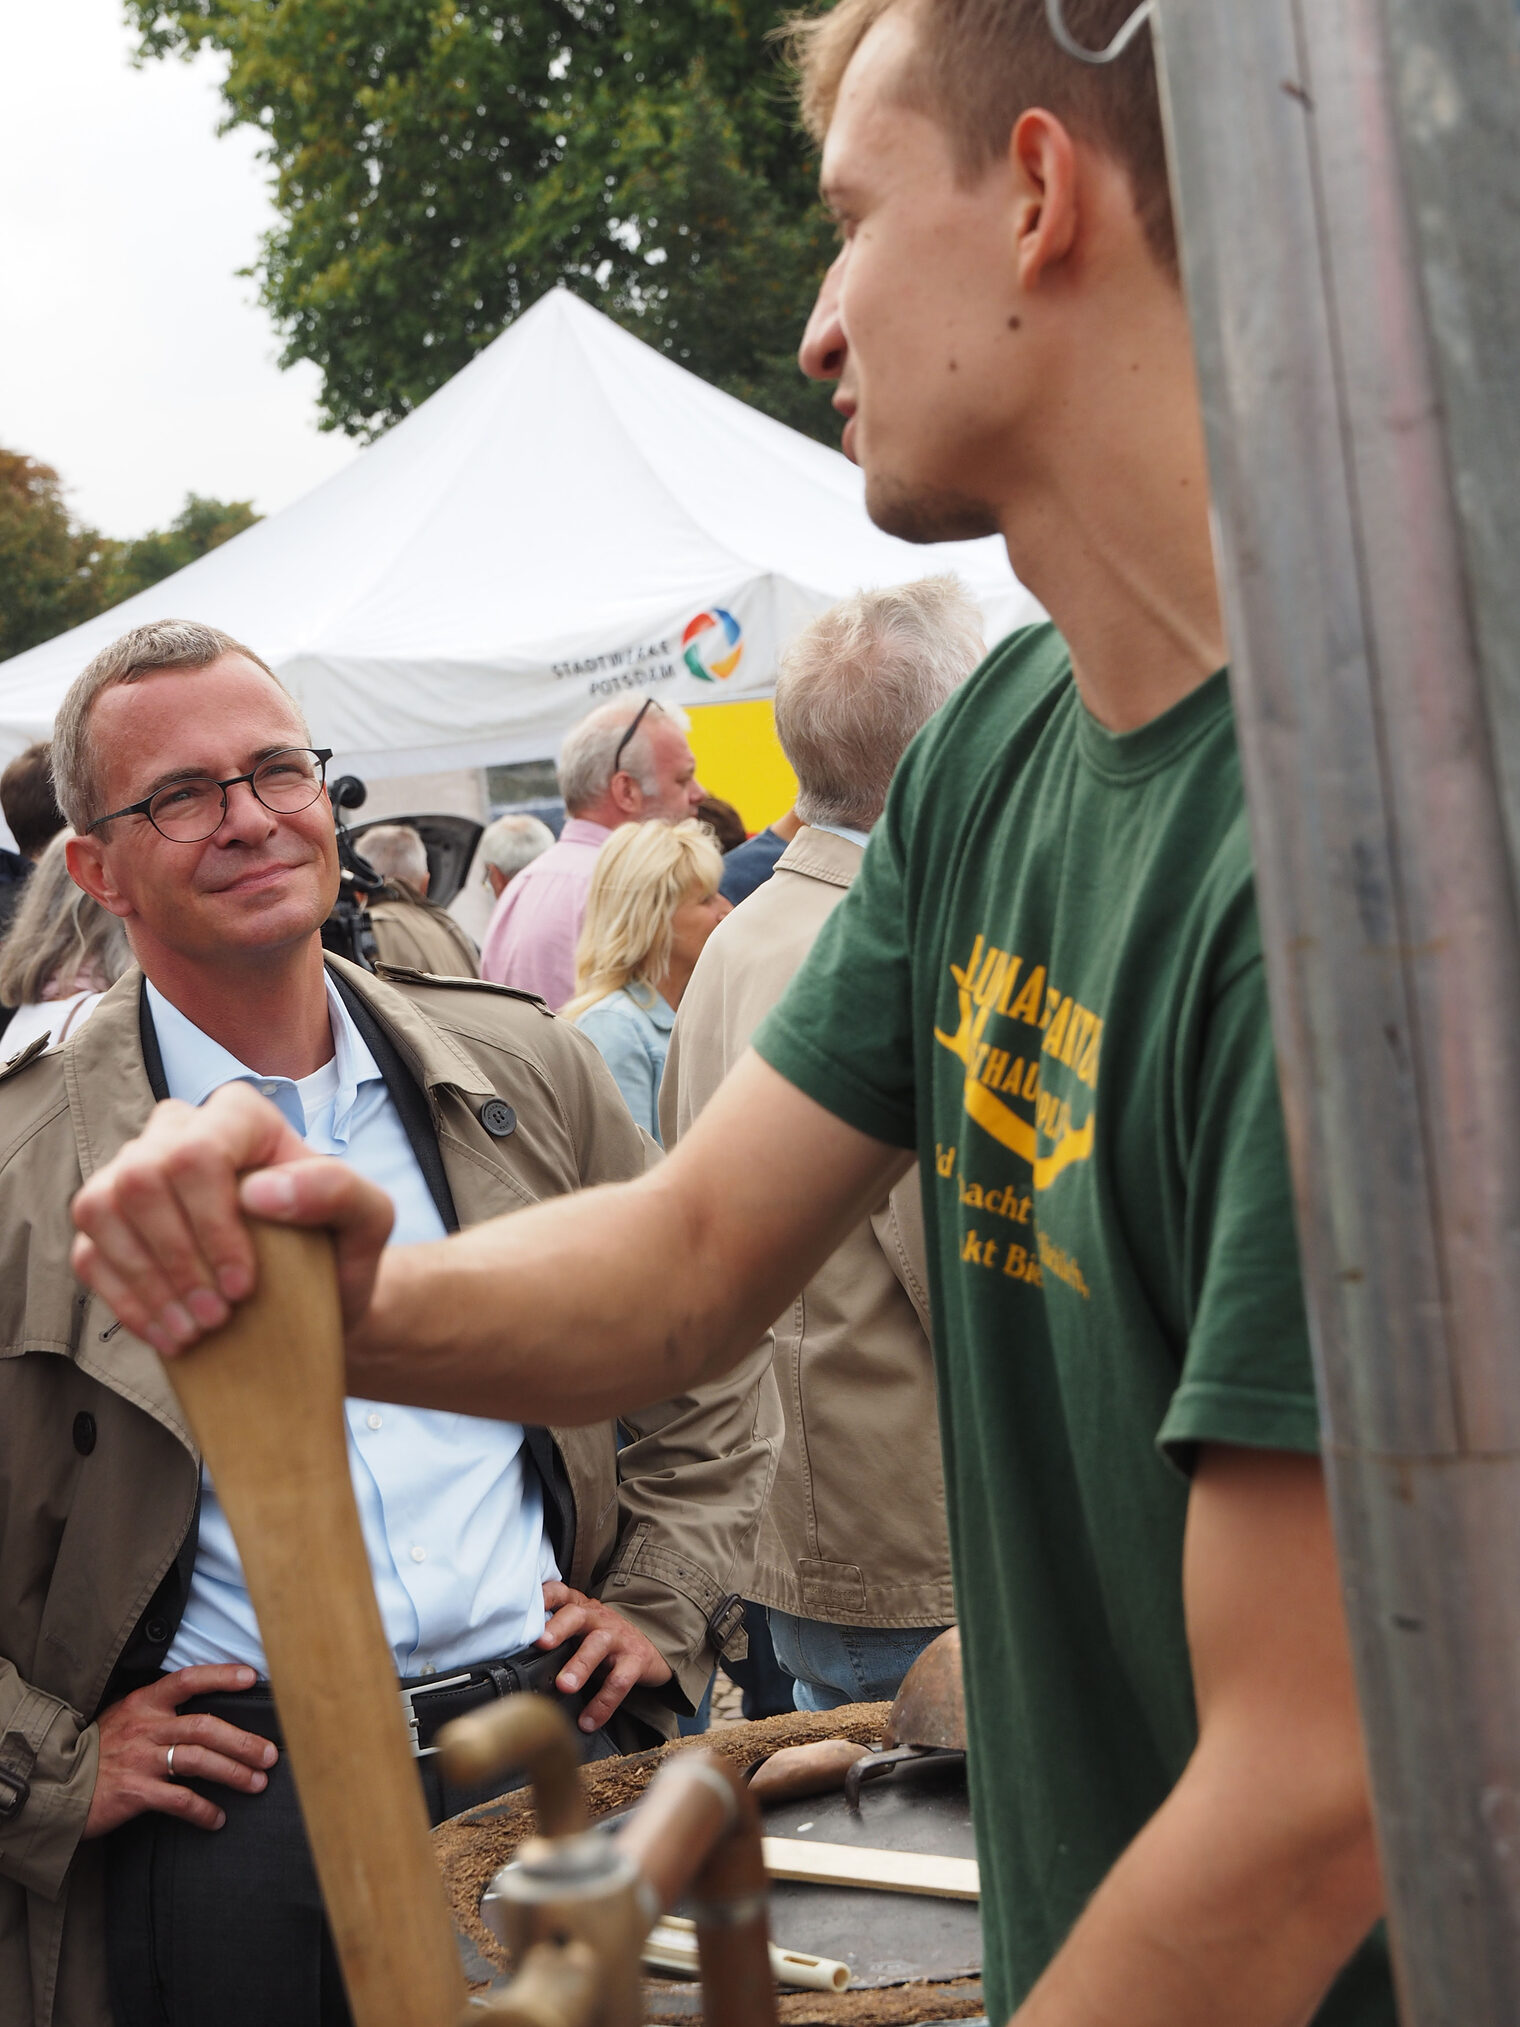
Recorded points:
(1047, 980)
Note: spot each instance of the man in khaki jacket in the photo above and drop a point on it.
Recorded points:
(409, 929)
(853, 1561)
(109, 1537)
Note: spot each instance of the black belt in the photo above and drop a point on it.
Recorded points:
(429, 1702)
(432, 1701)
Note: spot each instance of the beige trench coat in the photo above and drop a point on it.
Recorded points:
(98, 1473)
(854, 1532)
(416, 935)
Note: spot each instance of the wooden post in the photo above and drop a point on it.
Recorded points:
(264, 1396)
(1345, 173)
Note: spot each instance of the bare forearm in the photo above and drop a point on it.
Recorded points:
(1229, 1910)
(568, 1313)
(616, 1297)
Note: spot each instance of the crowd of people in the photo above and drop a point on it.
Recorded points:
(881, 1223)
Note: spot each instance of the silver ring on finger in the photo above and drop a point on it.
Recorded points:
(169, 1765)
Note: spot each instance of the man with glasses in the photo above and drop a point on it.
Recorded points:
(626, 762)
(1047, 983)
(134, 1712)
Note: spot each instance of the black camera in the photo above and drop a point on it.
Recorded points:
(347, 932)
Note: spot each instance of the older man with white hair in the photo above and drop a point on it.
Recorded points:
(509, 845)
(626, 762)
(853, 1563)
(409, 930)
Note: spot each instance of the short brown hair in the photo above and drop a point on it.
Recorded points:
(26, 796)
(981, 63)
(163, 644)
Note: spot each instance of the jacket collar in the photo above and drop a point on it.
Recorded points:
(111, 1097)
(580, 830)
(432, 1055)
(821, 855)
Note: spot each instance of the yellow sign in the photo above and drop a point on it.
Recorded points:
(739, 758)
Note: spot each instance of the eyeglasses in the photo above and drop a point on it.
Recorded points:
(633, 725)
(185, 812)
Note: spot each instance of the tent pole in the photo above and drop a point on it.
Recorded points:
(1345, 180)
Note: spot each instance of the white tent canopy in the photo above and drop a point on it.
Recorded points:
(572, 516)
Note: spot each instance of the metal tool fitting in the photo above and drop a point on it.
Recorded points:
(526, 1732)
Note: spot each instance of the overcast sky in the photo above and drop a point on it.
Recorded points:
(133, 358)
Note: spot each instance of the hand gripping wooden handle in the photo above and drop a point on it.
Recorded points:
(264, 1396)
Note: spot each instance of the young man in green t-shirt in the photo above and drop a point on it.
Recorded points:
(1047, 982)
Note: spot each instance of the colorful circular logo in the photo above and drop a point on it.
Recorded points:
(711, 645)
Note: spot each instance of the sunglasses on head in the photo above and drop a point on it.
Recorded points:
(633, 725)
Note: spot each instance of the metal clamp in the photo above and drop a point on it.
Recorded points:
(1114, 50)
(725, 1619)
(409, 1709)
(15, 1769)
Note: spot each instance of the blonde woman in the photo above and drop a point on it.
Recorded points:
(62, 953)
(653, 903)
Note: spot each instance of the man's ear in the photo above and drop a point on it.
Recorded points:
(1043, 160)
(86, 860)
(627, 797)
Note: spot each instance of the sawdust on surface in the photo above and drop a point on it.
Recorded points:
(872, 2006)
(473, 1847)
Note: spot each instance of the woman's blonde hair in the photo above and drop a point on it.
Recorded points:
(61, 938)
(643, 874)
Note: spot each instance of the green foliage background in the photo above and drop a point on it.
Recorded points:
(53, 574)
(439, 164)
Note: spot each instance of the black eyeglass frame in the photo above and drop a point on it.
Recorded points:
(633, 725)
(321, 754)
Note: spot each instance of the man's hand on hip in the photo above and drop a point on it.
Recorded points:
(138, 1735)
(605, 1636)
(163, 1235)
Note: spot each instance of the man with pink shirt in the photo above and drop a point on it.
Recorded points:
(624, 763)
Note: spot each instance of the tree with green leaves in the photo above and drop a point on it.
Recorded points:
(201, 525)
(46, 562)
(55, 573)
(439, 164)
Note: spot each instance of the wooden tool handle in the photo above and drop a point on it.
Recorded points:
(798, 1770)
(264, 1396)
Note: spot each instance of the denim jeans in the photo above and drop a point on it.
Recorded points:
(831, 1665)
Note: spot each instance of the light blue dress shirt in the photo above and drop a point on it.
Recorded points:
(451, 1506)
(844, 830)
(631, 1028)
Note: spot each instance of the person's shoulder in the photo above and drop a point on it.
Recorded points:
(994, 722)
(462, 1001)
(748, 866)
(1022, 673)
(33, 1096)
(1001, 705)
(758, 946)
(811, 879)
(618, 1008)
(563, 858)
(763, 849)
(490, 1024)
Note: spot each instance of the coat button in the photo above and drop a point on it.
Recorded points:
(157, 1631)
(84, 1434)
(498, 1118)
